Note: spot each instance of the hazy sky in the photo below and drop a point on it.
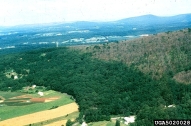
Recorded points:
(16, 12)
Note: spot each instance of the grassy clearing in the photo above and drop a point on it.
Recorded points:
(101, 123)
(58, 123)
(7, 112)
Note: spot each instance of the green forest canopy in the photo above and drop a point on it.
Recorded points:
(101, 88)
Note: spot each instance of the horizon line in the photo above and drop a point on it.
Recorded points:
(94, 21)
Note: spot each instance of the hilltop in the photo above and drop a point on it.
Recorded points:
(158, 55)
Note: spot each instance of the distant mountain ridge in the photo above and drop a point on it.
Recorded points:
(86, 32)
(144, 19)
(156, 20)
(151, 17)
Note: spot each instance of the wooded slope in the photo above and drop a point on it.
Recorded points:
(159, 54)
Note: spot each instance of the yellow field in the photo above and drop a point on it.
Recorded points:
(41, 116)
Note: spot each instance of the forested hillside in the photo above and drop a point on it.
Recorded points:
(102, 83)
(163, 53)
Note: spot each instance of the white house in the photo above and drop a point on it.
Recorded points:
(15, 77)
(40, 93)
(170, 106)
(33, 86)
(84, 124)
(130, 119)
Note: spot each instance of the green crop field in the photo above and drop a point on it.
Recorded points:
(14, 108)
(8, 95)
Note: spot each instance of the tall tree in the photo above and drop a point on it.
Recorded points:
(69, 123)
(117, 123)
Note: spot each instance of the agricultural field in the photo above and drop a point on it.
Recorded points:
(17, 105)
(45, 115)
(59, 121)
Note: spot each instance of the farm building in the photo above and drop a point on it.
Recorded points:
(40, 93)
(129, 119)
